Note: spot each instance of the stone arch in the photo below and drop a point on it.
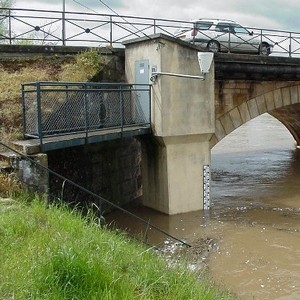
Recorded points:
(282, 103)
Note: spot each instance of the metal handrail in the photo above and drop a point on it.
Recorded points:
(48, 27)
(64, 108)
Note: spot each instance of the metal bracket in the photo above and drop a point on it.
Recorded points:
(154, 75)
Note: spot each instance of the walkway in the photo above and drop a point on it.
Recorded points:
(60, 114)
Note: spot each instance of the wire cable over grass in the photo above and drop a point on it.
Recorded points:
(66, 180)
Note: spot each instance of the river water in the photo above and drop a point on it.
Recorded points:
(252, 231)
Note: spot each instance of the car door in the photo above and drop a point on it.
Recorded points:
(242, 40)
(223, 36)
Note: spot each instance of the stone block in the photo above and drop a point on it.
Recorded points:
(227, 123)
(220, 131)
(253, 109)
(236, 117)
(278, 98)
(286, 96)
(244, 112)
(269, 97)
(294, 94)
(261, 104)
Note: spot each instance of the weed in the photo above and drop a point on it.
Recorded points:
(9, 185)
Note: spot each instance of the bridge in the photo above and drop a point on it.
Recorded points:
(63, 28)
(59, 115)
(190, 110)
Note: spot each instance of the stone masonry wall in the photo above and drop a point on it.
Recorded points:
(109, 169)
(232, 93)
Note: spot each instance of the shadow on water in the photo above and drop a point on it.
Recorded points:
(252, 232)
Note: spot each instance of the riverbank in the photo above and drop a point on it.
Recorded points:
(55, 253)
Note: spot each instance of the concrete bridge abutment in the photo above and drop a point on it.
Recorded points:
(182, 120)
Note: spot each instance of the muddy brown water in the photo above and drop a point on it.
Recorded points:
(252, 231)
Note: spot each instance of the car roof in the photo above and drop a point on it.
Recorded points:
(214, 20)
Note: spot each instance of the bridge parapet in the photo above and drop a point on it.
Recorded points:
(78, 28)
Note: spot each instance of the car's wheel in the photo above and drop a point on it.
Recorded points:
(264, 49)
(213, 46)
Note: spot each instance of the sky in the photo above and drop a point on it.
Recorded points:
(271, 14)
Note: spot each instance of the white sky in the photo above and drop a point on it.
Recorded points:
(271, 14)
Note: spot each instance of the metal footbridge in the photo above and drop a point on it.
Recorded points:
(58, 115)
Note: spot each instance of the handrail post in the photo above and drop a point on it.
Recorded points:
(290, 44)
(150, 116)
(24, 111)
(121, 108)
(9, 27)
(86, 111)
(111, 32)
(64, 23)
(39, 112)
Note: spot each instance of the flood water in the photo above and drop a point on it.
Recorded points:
(253, 226)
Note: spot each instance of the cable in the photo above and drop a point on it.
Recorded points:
(103, 3)
(138, 30)
(94, 195)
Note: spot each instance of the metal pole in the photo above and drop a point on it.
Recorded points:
(9, 27)
(39, 113)
(64, 23)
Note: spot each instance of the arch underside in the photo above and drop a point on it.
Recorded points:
(289, 116)
(283, 105)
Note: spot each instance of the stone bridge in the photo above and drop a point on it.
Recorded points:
(188, 117)
(248, 86)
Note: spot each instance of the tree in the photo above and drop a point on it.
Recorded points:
(4, 4)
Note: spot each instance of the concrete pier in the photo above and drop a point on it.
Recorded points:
(182, 122)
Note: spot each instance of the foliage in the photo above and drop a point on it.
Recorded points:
(13, 73)
(9, 185)
(55, 253)
(4, 21)
(6, 3)
(87, 65)
(10, 98)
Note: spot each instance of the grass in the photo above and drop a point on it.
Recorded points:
(55, 253)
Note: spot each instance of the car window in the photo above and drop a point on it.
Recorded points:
(240, 29)
(224, 27)
(203, 25)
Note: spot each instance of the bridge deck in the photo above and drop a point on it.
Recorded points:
(33, 146)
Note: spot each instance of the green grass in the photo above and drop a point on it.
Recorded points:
(55, 253)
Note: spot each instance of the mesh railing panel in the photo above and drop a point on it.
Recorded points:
(30, 113)
(80, 108)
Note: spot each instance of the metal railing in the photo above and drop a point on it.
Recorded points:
(27, 26)
(62, 108)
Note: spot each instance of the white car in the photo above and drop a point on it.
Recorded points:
(224, 36)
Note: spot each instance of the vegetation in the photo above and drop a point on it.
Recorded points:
(9, 185)
(4, 21)
(15, 72)
(55, 253)
(85, 67)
